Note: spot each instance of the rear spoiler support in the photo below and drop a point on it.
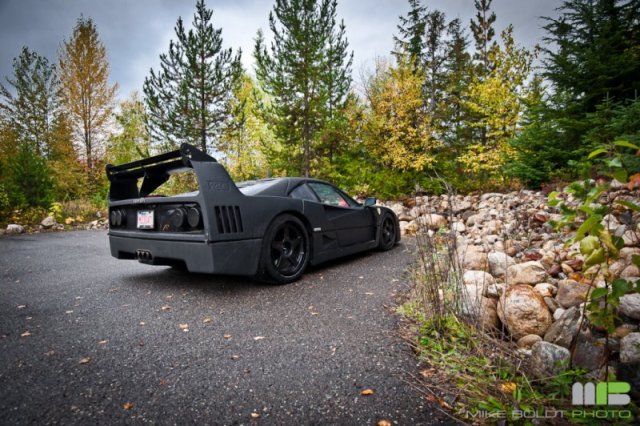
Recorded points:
(153, 170)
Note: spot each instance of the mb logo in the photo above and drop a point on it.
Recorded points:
(605, 393)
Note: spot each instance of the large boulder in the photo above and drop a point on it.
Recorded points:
(499, 262)
(523, 311)
(526, 273)
(473, 258)
(433, 221)
(478, 278)
(48, 222)
(14, 228)
(571, 293)
(630, 348)
(548, 359)
(630, 305)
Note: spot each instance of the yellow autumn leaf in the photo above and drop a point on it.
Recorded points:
(367, 392)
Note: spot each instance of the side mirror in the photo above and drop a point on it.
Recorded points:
(370, 201)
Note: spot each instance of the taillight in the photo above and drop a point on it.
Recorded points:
(194, 217)
(117, 218)
(178, 218)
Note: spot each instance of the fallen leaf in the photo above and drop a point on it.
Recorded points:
(427, 372)
(431, 398)
(227, 336)
(79, 297)
(26, 334)
(142, 323)
(21, 306)
(29, 318)
(166, 308)
(634, 181)
(169, 296)
(384, 422)
(184, 327)
(360, 277)
(255, 415)
(367, 392)
(206, 320)
(68, 312)
(258, 338)
(369, 293)
(102, 342)
(444, 404)
(85, 360)
(49, 353)
(235, 357)
(163, 382)
(508, 387)
(314, 313)
(127, 406)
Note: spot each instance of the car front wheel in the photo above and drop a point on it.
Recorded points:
(285, 250)
(388, 233)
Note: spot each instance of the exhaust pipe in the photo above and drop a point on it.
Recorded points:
(144, 256)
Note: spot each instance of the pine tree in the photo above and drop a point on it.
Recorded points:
(483, 33)
(412, 30)
(593, 57)
(306, 73)
(187, 99)
(87, 96)
(30, 106)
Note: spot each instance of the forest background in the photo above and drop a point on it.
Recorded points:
(459, 105)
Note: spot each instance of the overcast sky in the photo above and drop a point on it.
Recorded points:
(135, 32)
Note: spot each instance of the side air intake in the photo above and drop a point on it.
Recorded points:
(228, 219)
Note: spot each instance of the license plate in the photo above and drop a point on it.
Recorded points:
(145, 219)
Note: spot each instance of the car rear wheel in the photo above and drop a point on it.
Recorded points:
(285, 250)
(388, 233)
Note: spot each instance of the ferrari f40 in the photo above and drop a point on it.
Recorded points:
(271, 229)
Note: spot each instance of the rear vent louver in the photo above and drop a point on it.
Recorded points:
(228, 219)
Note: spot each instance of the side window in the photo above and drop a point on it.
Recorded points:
(328, 195)
(303, 192)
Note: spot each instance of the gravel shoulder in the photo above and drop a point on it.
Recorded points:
(83, 335)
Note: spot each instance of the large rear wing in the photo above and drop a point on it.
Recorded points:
(154, 171)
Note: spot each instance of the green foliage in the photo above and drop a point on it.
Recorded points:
(132, 141)
(187, 99)
(28, 182)
(598, 245)
(306, 72)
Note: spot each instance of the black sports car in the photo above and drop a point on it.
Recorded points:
(268, 228)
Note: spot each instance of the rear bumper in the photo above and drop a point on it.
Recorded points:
(240, 257)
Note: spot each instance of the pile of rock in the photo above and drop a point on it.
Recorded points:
(50, 223)
(522, 278)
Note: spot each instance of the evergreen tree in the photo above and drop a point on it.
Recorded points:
(593, 57)
(458, 75)
(483, 33)
(306, 73)
(187, 99)
(412, 30)
(31, 103)
(86, 94)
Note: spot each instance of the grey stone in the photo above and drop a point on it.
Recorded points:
(526, 273)
(571, 293)
(48, 222)
(499, 262)
(630, 305)
(14, 228)
(630, 348)
(548, 359)
(562, 331)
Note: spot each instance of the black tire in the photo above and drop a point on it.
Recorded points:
(285, 250)
(388, 233)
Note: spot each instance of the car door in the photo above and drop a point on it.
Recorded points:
(352, 222)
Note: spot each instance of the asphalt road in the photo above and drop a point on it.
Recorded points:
(88, 339)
